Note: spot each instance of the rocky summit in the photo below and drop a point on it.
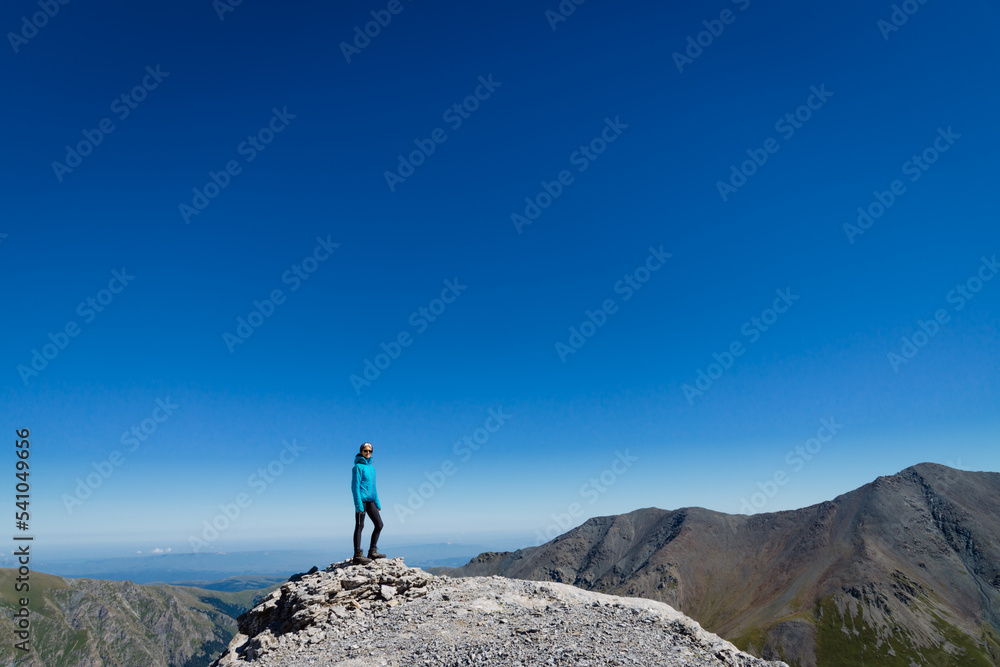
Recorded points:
(385, 613)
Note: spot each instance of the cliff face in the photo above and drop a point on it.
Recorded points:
(98, 623)
(906, 568)
(386, 613)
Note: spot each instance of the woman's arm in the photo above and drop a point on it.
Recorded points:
(356, 489)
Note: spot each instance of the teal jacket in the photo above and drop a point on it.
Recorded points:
(363, 483)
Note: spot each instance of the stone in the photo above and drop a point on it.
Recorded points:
(391, 614)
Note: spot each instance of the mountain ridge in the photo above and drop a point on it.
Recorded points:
(907, 565)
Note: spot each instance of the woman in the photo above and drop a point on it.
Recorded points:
(365, 500)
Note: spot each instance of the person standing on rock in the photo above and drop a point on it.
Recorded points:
(365, 501)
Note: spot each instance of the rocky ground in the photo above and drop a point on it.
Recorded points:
(387, 613)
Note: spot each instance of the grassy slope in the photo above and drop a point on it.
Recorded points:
(846, 640)
(81, 622)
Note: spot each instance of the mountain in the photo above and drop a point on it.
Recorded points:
(386, 613)
(96, 623)
(230, 584)
(272, 565)
(902, 571)
(176, 567)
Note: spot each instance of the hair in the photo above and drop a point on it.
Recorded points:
(363, 446)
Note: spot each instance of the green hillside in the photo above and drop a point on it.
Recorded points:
(94, 622)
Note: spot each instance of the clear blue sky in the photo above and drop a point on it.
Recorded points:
(633, 143)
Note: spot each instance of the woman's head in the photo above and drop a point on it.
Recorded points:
(366, 449)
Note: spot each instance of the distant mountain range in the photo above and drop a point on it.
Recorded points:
(902, 571)
(259, 568)
(188, 567)
(97, 623)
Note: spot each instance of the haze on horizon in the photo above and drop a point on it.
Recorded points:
(735, 255)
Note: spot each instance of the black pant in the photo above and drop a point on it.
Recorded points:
(359, 525)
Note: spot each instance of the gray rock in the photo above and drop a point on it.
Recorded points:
(386, 613)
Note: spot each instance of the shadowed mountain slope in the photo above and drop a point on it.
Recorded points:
(98, 623)
(904, 569)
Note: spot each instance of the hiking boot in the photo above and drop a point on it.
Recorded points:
(359, 558)
(373, 553)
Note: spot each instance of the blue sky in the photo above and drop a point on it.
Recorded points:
(259, 123)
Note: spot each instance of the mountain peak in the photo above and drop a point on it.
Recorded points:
(906, 565)
(386, 613)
